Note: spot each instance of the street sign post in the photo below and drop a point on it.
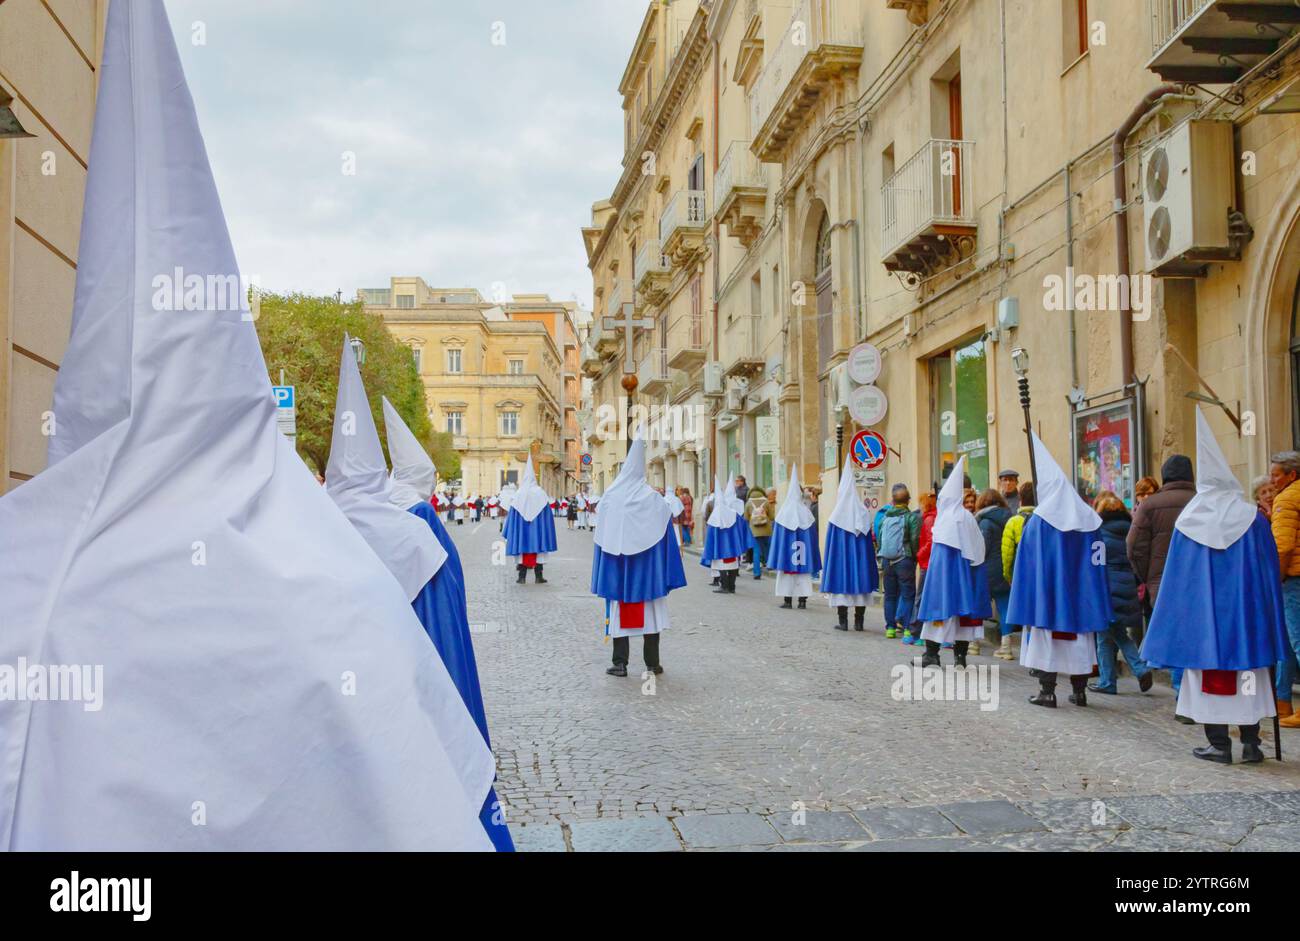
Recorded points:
(868, 405)
(286, 411)
(869, 450)
(864, 364)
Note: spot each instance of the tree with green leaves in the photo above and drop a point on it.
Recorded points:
(303, 336)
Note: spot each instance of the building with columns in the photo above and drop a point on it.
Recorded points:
(500, 377)
(49, 58)
(1106, 188)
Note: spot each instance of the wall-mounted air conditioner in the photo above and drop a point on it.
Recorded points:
(735, 399)
(713, 379)
(1188, 191)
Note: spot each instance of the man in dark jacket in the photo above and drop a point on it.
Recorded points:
(992, 514)
(1153, 529)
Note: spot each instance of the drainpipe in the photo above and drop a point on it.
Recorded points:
(717, 252)
(1148, 101)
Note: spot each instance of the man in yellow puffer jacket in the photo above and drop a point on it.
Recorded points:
(1015, 527)
(1285, 473)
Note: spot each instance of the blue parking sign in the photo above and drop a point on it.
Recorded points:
(284, 396)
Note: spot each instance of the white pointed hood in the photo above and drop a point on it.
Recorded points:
(793, 515)
(414, 475)
(633, 515)
(850, 514)
(724, 513)
(531, 498)
(179, 542)
(954, 525)
(1219, 514)
(356, 478)
(1058, 502)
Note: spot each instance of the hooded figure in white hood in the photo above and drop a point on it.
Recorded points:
(257, 657)
(726, 537)
(794, 553)
(636, 561)
(849, 573)
(530, 527)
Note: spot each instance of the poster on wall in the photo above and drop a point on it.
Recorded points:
(1105, 445)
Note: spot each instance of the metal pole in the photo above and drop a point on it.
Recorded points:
(1029, 433)
(839, 445)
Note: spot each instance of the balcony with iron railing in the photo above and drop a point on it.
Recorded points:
(688, 342)
(740, 192)
(927, 208)
(593, 364)
(652, 374)
(742, 353)
(652, 272)
(683, 226)
(602, 339)
(822, 45)
(1215, 42)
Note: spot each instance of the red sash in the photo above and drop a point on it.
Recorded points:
(970, 622)
(530, 560)
(728, 561)
(631, 615)
(1219, 682)
(1064, 635)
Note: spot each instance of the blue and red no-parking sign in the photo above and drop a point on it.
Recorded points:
(868, 449)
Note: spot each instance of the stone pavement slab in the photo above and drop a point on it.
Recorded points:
(725, 830)
(989, 818)
(630, 835)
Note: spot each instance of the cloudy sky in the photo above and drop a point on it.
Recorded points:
(476, 162)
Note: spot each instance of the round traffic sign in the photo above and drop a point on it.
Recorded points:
(868, 450)
(868, 405)
(586, 460)
(864, 364)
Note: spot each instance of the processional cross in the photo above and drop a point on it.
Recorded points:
(629, 323)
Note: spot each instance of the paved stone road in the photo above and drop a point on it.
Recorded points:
(770, 730)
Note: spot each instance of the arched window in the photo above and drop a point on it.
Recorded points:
(824, 245)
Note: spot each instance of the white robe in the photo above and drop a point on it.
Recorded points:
(1040, 651)
(1241, 709)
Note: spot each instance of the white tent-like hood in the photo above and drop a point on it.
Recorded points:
(414, 475)
(793, 515)
(356, 478)
(633, 515)
(725, 511)
(531, 498)
(1058, 502)
(256, 656)
(954, 525)
(1219, 514)
(850, 513)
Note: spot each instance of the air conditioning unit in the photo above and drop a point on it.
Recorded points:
(735, 399)
(1188, 190)
(713, 379)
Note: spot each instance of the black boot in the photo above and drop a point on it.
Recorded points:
(931, 656)
(1080, 694)
(1046, 690)
(715, 581)
(732, 576)
(803, 604)
(959, 653)
(537, 571)
(858, 614)
(843, 614)
(523, 574)
(788, 603)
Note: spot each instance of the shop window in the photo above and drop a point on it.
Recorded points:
(959, 412)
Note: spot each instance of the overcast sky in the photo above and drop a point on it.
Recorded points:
(476, 164)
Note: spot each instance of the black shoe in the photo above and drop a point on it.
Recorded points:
(858, 615)
(1102, 690)
(788, 603)
(1251, 754)
(1080, 698)
(540, 579)
(720, 590)
(803, 604)
(617, 671)
(523, 576)
(1146, 680)
(657, 671)
(929, 660)
(1183, 719)
(758, 578)
(1221, 756)
(960, 661)
(1047, 700)
(714, 582)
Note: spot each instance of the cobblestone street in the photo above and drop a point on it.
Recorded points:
(770, 730)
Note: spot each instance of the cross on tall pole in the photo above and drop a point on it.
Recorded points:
(629, 323)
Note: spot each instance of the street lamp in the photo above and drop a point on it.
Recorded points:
(359, 349)
(1020, 363)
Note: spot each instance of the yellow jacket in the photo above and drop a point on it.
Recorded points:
(1011, 539)
(1286, 528)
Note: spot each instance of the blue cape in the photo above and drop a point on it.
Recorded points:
(440, 606)
(642, 577)
(953, 587)
(727, 543)
(1219, 609)
(1059, 581)
(780, 554)
(525, 538)
(850, 563)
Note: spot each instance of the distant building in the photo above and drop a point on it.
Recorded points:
(501, 378)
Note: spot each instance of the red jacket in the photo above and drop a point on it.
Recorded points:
(927, 539)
